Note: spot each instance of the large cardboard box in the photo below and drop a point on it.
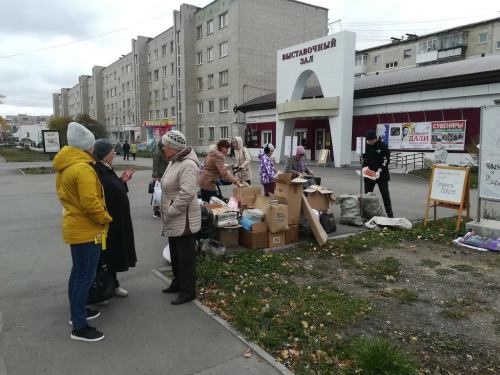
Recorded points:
(229, 237)
(245, 195)
(256, 238)
(316, 227)
(292, 191)
(275, 214)
(292, 234)
(213, 206)
(320, 198)
(275, 239)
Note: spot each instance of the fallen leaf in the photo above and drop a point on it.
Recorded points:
(248, 353)
(414, 340)
(247, 329)
(261, 360)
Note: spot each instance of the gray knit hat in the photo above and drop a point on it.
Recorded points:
(175, 140)
(80, 137)
(102, 148)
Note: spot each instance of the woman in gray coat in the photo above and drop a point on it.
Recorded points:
(295, 165)
(181, 214)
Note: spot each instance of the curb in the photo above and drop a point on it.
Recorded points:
(21, 171)
(255, 348)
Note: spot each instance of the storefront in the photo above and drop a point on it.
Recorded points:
(156, 129)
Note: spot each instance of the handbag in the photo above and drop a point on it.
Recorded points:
(151, 187)
(103, 287)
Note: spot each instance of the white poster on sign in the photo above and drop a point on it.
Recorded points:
(51, 142)
(360, 145)
(288, 145)
(294, 145)
(448, 185)
(394, 136)
(489, 156)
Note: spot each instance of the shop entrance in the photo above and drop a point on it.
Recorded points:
(320, 142)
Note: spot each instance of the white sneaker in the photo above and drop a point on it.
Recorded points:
(120, 292)
(103, 303)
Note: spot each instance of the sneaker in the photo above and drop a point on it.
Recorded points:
(120, 292)
(157, 214)
(90, 315)
(103, 303)
(87, 333)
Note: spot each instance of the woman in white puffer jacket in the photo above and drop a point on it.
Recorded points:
(243, 159)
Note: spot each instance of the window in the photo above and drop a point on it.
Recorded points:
(427, 46)
(266, 137)
(114, 75)
(156, 54)
(391, 65)
(112, 106)
(107, 94)
(210, 54)
(136, 58)
(223, 20)
(157, 114)
(151, 115)
(200, 108)
(498, 45)
(360, 60)
(172, 91)
(199, 83)
(149, 58)
(223, 78)
(165, 93)
(128, 86)
(149, 77)
(172, 68)
(407, 53)
(172, 112)
(199, 31)
(128, 103)
(210, 27)
(164, 71)
(164, 50)
(129, 68)
(124, 104)
(301, 137)
(123, 87)
(483, 38)
(211, 132)
(223, 49)
(199, 58)
(157, 94)
(172, 47)
(223, 105)
(123, 120)
(452, 40)
(157, 75)
(200, 133)
(224, 132)
(165, 113)
(376, 59)
(211, 106)
(150, 96)
(107, 79)
(210, 83)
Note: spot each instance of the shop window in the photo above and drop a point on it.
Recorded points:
(266, 137)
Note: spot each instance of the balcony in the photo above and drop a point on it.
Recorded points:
(360, 69)
(452, 47)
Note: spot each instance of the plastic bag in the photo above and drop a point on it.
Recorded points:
(207, 230)
(213, 248)
(233, 203)
(166, 253)
(246, 223)
(349, 210)
(253, 214)
(304, 226)
(226, 219)
(372, 206)
(399, 223)
(327, 221)
(215, 200)
(156, 195)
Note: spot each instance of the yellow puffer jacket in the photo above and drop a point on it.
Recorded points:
(82, 196)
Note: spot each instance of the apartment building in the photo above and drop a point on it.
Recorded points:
(192, 75)
(413, 51)
(25, 119)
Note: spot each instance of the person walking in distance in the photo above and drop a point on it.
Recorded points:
(133, 149)
(118, 148)
(126, 150)
(84, 224)
(242, 160)
(376, 157)
(159, 167)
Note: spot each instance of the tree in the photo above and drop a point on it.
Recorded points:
(1, 98)
(4, 129)
(94, 126)
(61, 123)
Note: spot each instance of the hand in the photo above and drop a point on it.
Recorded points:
(311, 173)
(299, 174)
(377, 175)
(238, 184)
(127, 175)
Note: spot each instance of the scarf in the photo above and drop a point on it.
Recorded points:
(300, 165)
(104, 163)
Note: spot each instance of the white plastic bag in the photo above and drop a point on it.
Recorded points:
(166, 253)
(253, 214)
(157, 195)
(379, 221)
(215, 200)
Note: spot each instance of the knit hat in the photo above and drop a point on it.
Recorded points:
(102, 148)
(175, 140)
(371, 135)
(269, 146)
(300, 150)
(80, 137)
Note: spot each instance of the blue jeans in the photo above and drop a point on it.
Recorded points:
(85, 257)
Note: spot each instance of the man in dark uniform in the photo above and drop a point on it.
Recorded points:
(376, 158)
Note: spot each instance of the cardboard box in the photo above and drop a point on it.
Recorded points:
(275, 239)
(320, 199)
(229, 236)
(256, 238)
(275, 215)
(292, 234)
(213, 206)
(245, 195)
(292, 191)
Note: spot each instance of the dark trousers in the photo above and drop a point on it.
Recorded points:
(125, 155)
(133, 155)
(268, 188)
(183, 256)
(383, 186)
(207, 194)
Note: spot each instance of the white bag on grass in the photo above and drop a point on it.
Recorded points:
(166, 253)
(157, 195)
(379, 221)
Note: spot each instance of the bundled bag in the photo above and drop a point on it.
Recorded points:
(253, 214)
(350, 210)
(399, 223)
(215, 200)
(327, 221)
(226, 219)
(246, 223)
(213, 248)
(312, 181)
(207, 230)
(372, 206)
(156, 195)
(166, 254)
(103, 287)
(304, 226)
(233, 203)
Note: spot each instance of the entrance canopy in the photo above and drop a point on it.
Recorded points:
(331, 58)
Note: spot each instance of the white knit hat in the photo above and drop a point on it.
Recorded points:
(175, 140)
(80, 137)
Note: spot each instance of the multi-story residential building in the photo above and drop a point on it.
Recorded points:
(28, 126)
(195, 73)
(25, 119)
(412, 51)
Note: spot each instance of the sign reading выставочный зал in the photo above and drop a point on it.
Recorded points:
(448, 185)
(489, 156)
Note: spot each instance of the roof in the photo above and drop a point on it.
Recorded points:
(462, 73)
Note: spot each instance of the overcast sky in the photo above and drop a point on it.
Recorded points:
(28, 80)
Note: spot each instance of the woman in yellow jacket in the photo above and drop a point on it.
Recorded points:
(84, 225)
(133, 149)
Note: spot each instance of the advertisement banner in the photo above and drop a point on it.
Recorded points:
(137, 134)
(416, 135)
(383, 132)
(395, 136)
(51, 142)
(450, 133)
